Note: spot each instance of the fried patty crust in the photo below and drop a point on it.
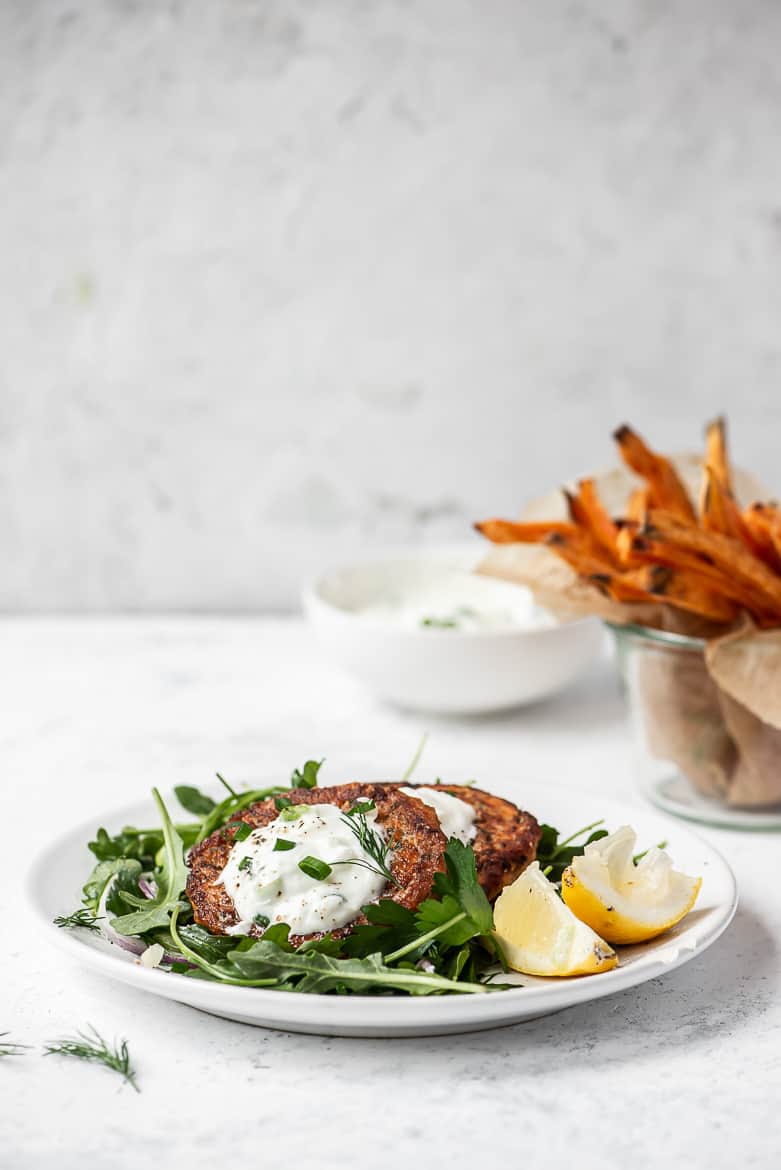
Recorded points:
(410, 826)
(505, 839)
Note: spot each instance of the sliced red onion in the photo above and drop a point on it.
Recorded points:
(136, 946)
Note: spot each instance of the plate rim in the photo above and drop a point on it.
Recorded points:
(368, 1012)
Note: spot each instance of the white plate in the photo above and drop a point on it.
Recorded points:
(54, 888)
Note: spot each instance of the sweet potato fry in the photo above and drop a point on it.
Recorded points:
(724, 552)
(666, 489)
(763, 521)
(647, 579)
(627, 531)
(577, 513)
(578, 551)
(616, 586)
(687, 591)
(596, 517)
(646, 548)
(637, 506)
(655, 583)
(720, 513)
(716, 456)
(713, 514)
(711, 562)
(531, 532)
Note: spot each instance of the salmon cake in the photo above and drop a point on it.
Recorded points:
(312, 857)
(503, 836)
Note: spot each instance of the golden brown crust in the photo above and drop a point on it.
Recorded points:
(418, 849)
(506, 838)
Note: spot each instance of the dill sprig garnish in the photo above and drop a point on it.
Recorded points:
(8, 1048)
(91, 1046)
(370, 841)
(81, 918)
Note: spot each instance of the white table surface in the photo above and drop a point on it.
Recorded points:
(683, 1071)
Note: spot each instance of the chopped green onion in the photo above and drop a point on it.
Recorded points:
(246, 864)
(281, 845)
(363, 806)
(293, 812)
(261, 920)
(283, 802)
(315, 868)
(242, 832)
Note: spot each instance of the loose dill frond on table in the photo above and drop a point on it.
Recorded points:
(9, 1048)
(91, 1046)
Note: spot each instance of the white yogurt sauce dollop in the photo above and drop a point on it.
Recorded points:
(456, 817)
(267, 882)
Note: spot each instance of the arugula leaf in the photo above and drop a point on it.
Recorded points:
(104, 875)
(389, 927)
(194, 801)
(234, 802)
(211, 968)
(141, 844)
(306, 777)
(554, 856)
(123, 890)
(170, 880)
(318, 973)
(455, 966)
(211, 947)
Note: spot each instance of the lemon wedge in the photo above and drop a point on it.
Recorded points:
(541, 936)
(624, 902)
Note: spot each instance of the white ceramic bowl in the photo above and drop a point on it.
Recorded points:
(448, 671)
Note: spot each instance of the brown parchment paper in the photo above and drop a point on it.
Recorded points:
(682, 717)
(745, 665)
(714, 713)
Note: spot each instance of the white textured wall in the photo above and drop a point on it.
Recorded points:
(280, 279)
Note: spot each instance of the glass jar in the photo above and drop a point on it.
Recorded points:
(684, 753)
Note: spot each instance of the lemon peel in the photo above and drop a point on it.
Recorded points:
(623, 902)
(541, 936)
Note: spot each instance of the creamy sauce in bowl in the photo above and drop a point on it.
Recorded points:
(456, 601)
(266, 883)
